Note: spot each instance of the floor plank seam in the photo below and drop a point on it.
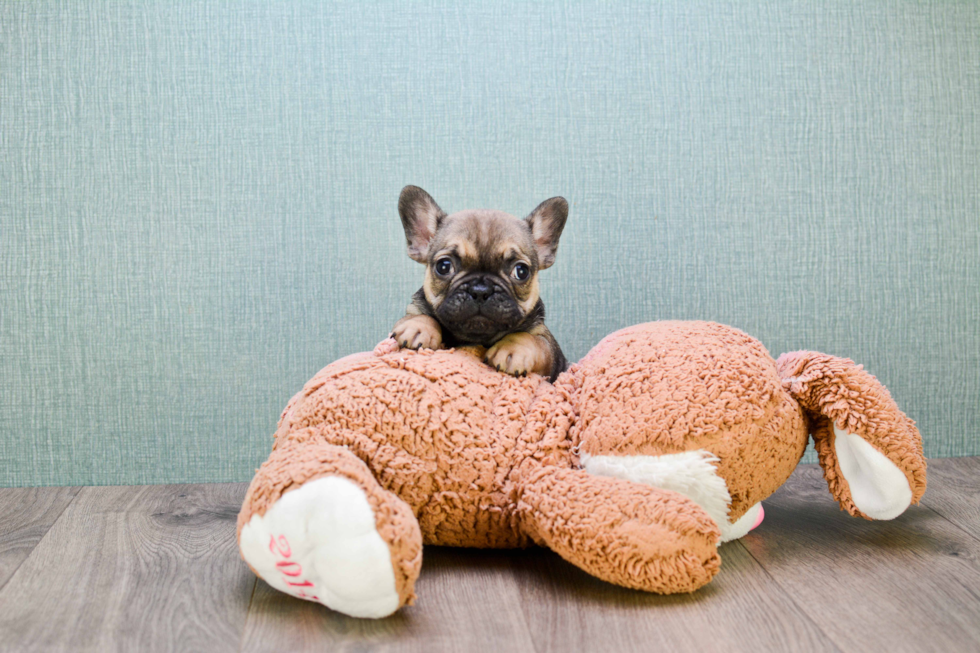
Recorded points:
(969, 588)
(248, 613)
(530, 633)
(78, 490)
(789, 597)
(527, 626)
(950, 521)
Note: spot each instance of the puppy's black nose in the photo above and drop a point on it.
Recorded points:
(479, 290)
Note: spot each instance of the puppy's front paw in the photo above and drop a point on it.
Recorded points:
(418, 332)
(518, 354)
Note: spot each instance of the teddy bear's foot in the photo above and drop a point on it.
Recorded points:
(626, 533)
(320, 543)
(338, 539)
(691, 473)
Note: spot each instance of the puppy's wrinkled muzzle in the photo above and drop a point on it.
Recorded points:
(478, 310)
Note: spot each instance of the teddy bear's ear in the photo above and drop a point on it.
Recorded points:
(867, 482)
(870, 451)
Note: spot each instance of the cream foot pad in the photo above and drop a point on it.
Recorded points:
(320, 543)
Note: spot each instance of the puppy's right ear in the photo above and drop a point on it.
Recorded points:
(420, 217)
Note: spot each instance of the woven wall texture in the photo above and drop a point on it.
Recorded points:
(197, 199)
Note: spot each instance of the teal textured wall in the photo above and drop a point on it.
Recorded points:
(197, 200)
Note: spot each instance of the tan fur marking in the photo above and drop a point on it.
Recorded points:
(533, 295)
(477, 232)
(429, 289)
(410, 310)
(465, 250)
(508, 250)
(538, 330)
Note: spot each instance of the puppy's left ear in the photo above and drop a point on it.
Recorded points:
(546, 223)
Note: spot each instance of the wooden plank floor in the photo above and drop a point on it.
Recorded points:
(157, 568)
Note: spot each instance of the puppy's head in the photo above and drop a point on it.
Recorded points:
(481, 276)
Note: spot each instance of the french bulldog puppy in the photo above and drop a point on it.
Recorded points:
(481, 282)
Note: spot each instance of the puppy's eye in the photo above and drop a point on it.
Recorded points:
(444, 267)
(521, 272)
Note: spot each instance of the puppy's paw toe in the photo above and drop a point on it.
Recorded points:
(421, 332)
(426, 340)
(512, 357)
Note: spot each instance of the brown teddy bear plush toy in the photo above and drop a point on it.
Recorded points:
(634, 465)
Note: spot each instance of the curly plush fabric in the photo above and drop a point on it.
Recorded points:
(667, 387)
(419, 421)
(647, 538)
(692, 425)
